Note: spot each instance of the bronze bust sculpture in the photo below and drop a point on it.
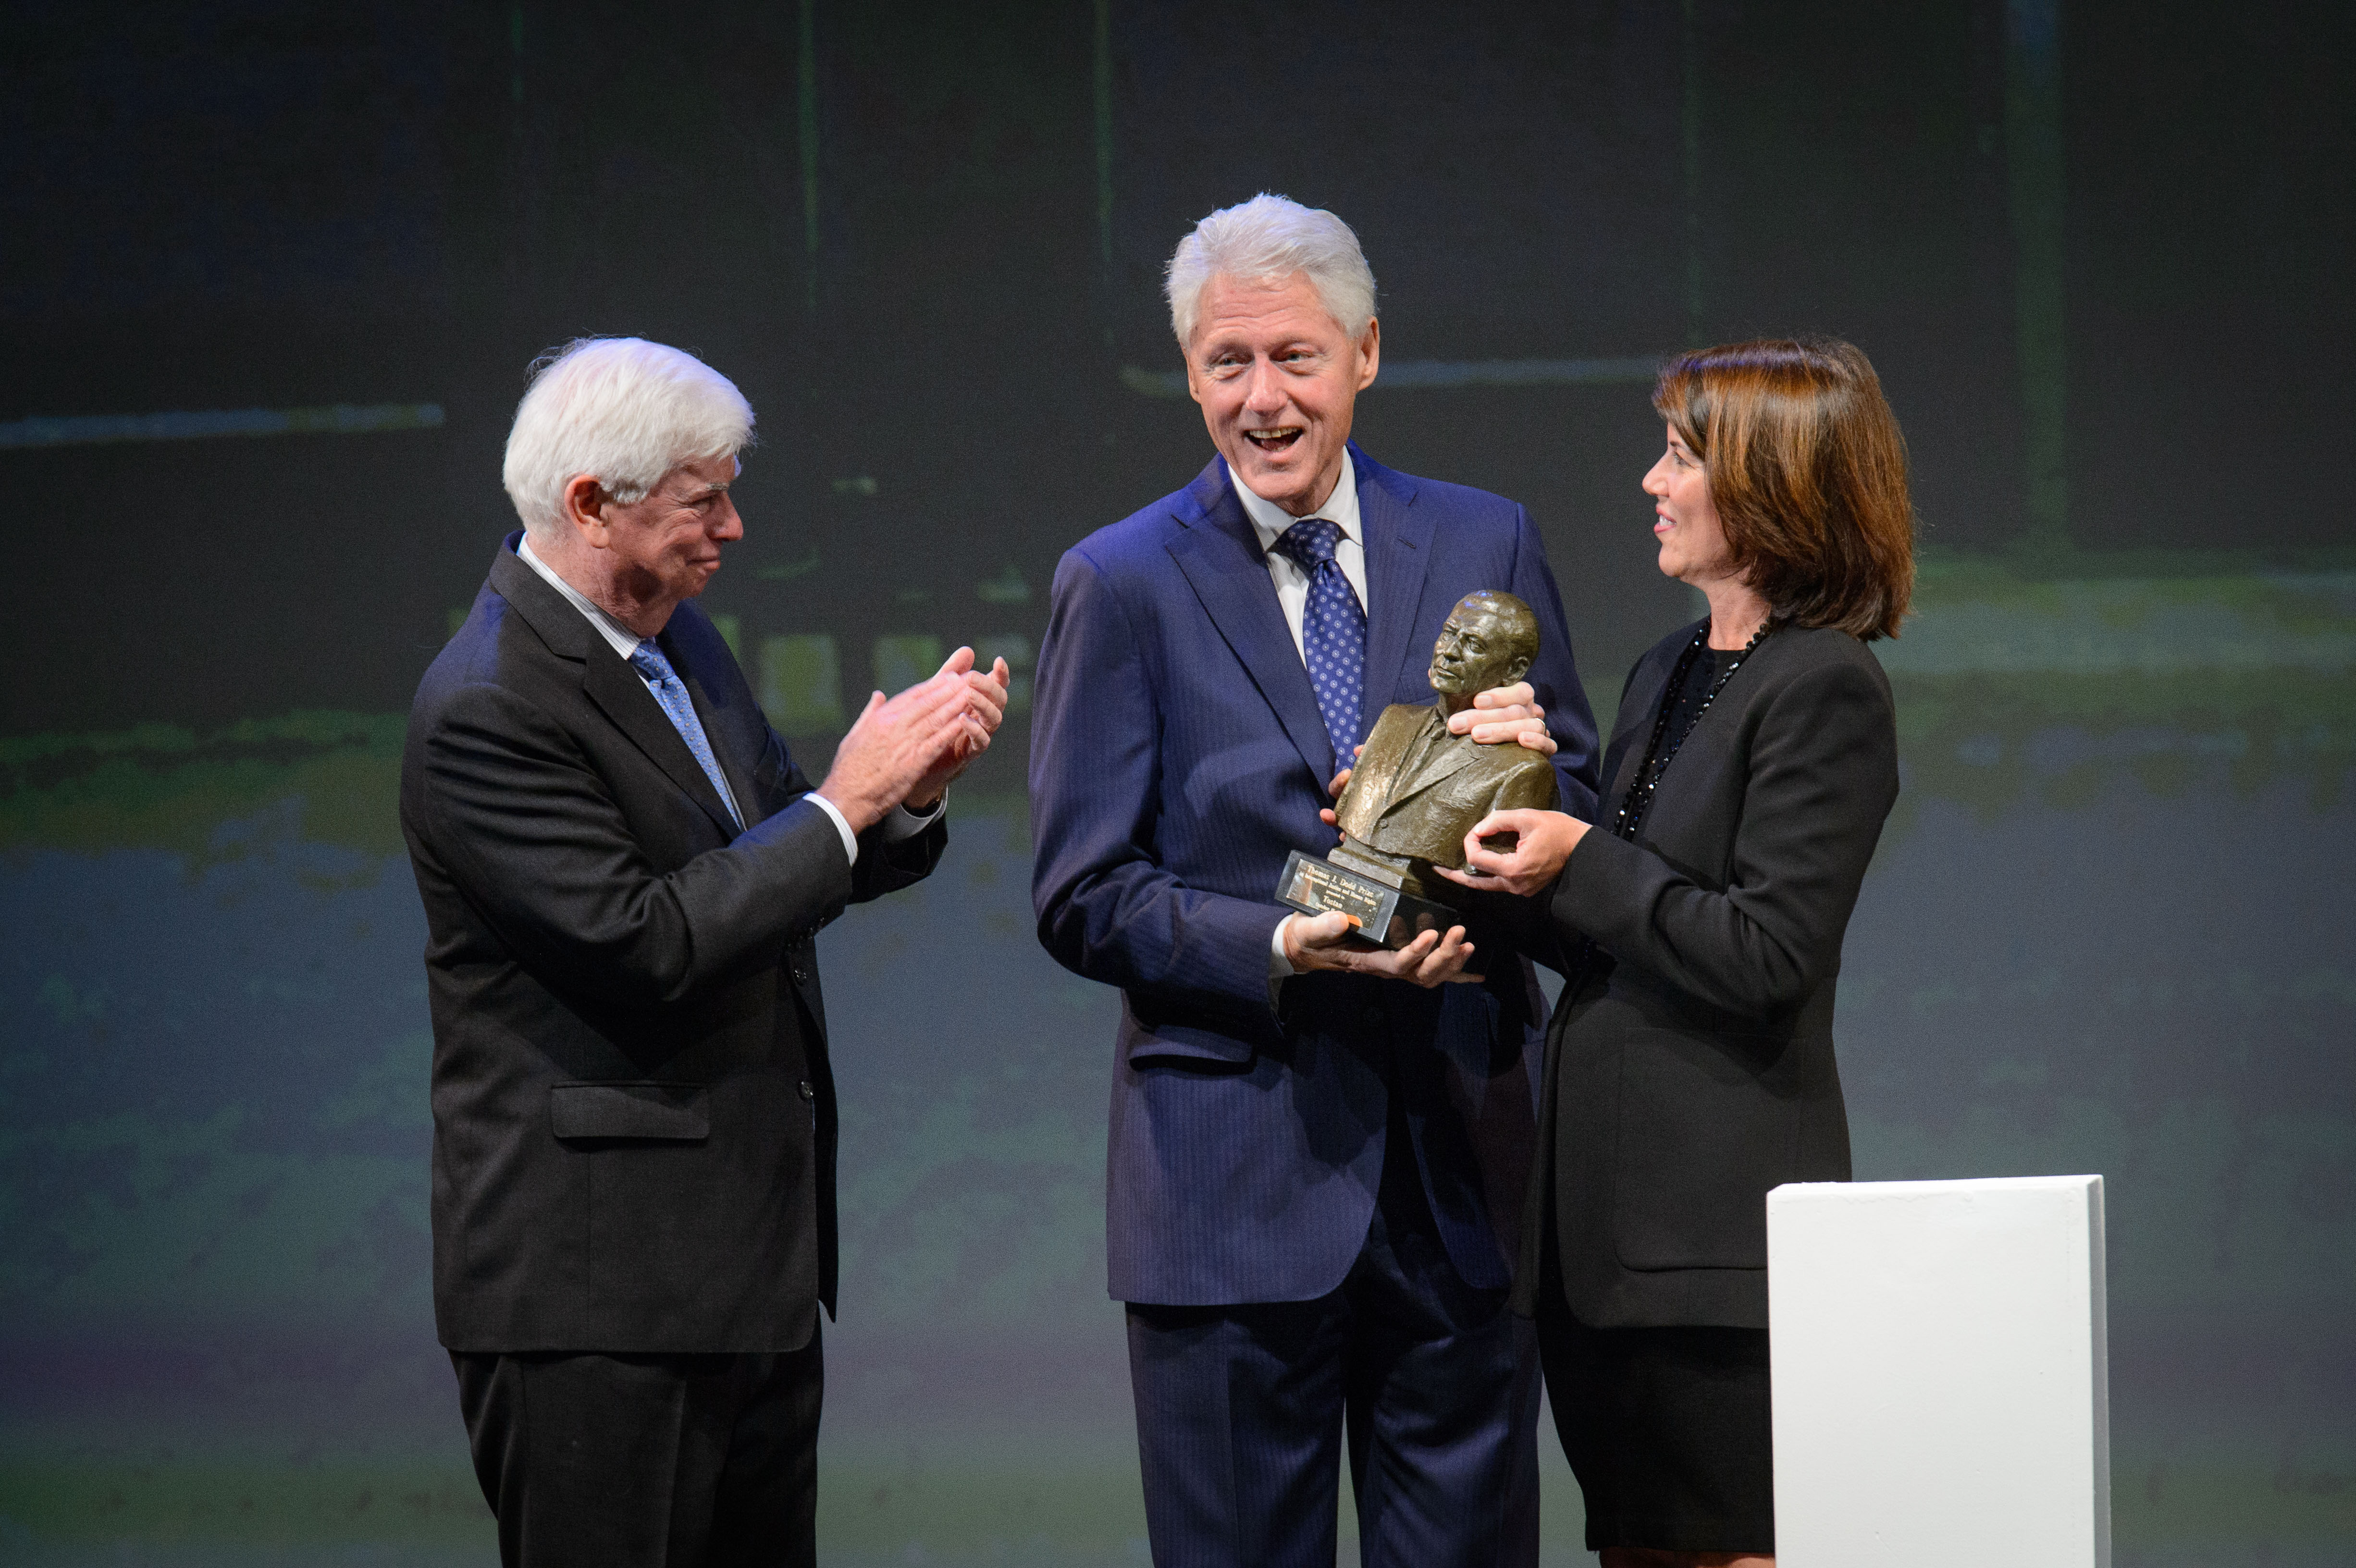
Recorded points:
(1418, 790)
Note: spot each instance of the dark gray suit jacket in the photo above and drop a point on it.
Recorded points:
(1690, 1068)
(634, 1121)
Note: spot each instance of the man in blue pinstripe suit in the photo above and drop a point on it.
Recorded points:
(1317, 1152)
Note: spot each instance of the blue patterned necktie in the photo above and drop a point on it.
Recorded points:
(672, 693)
(1332, 630)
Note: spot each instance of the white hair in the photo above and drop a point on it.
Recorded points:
(622, 410)
(1269, 238)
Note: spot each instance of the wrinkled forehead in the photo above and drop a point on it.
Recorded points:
(701, 476)
(1284, 306)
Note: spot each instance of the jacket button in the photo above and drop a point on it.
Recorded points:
(808, 1092)
(801, 975)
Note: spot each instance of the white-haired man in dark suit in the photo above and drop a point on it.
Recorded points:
(624, 874)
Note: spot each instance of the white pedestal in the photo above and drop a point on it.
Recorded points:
(1941, 1389)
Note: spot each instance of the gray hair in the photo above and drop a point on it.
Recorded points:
(1273, 237)
(622, 410)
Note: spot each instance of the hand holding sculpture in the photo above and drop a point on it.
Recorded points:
(1417, 786)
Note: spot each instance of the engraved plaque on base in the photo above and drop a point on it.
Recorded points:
(1319, 887)
(1381, 915)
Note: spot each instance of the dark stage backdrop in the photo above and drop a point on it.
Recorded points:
(269, 274)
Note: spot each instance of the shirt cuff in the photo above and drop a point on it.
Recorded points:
(904, 823)
(841, 825)
(1279, 966)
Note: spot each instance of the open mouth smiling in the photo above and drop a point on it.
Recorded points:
(1274, 438)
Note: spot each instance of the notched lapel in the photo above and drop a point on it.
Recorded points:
(1631, 727)
(693, 645)
(1219, 552)
(1399, 558)
(1429, 779)
(1448, 761)
(610, 683)
(622, 697)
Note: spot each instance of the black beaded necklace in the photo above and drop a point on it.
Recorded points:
(1639, 798)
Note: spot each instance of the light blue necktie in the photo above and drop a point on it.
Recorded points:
(672, 693)
(1332, 630)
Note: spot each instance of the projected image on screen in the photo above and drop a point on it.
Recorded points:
(274, 277)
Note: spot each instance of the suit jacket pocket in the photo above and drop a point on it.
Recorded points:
(1183, 1047)
(671, 1113)
(1705, 1128)
(1148, 1035)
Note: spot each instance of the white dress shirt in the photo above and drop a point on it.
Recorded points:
(900, 824)
(1269, 520)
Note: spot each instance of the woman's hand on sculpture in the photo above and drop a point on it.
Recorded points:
(1322, 941)
(1547, 839)
(1503, 713)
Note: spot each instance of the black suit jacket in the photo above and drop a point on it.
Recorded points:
(1690, 1068)
(634, 1121)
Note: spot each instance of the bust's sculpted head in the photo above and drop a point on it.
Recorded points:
(1490, 640)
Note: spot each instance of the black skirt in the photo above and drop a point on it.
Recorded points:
(1668, 1430)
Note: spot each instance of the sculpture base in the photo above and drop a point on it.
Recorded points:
(1383, 913)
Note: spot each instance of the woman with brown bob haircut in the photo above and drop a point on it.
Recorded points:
(1689, 1064)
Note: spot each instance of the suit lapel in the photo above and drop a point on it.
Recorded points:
(606, 678)
(1632, 729)
(695, 649)
(565, 630)
(1444, 762)
(1399, 555)
(1219, 552)
(624, 699)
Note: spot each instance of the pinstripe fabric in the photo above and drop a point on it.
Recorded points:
(1177, 759)
(1178, 756)
(1241, 1417)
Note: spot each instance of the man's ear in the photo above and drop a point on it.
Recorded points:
(583, 505)
(1521, 668)
(1370, 353)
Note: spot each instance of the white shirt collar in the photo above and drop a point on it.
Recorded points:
(622, 640)
(1270, 519)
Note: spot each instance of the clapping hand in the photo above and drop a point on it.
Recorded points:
(985, 711)
(906, 749)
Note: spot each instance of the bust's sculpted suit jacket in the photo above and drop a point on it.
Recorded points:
(1415, 781)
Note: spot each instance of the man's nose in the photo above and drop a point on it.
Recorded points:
(1264, 393)
(727, 525)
